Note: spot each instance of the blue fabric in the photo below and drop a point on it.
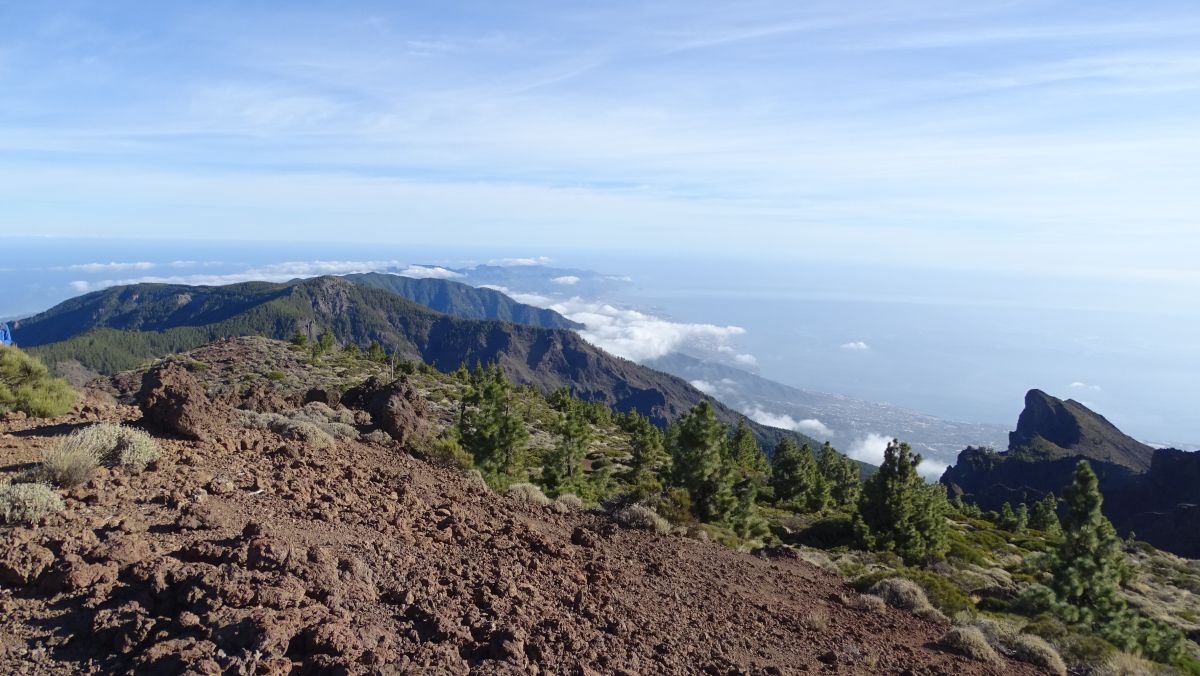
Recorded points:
(5, 335)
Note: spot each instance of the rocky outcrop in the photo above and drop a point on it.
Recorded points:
(172, 401)
(394, 407)
(1052, 428)
(1151, 493)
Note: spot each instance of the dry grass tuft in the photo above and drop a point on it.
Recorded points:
(642, 517)
(526, 492)
(969, 642)
(1037, 651)
(901, 593)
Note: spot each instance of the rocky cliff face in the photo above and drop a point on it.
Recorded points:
(1151, 493)
(1055, 428)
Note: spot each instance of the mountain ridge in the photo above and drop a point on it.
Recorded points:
(119, 328)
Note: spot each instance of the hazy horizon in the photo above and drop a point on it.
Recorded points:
(955, 345)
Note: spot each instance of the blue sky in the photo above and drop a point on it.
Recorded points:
(1011, 136)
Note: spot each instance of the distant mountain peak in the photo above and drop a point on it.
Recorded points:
(1053, 428)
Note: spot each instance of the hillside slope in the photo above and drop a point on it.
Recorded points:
(254, 553)
(119, 328)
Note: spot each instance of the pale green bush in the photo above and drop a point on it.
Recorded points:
(900, 593)
(969, 642)
(1037, 651)
(66, 464)
(527, 492)
(111, 444)
(642, 517)
(27, 503)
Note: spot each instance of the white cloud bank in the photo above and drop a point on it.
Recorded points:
(810, 426)
(1077, 385)
(520, 262)
(566, 280)
(870, 449)
(428, 272)
(276, 272)
(629, 333)
(857, 345)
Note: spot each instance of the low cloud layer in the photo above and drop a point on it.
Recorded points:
(520, 262)
(857, 345)
(809, 426)
(629, 333)
(566, 280)
(428, 272)
(870, 449)
(277, 272)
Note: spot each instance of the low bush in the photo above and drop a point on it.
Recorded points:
(863, 602)
(447, 452)
(1038, 652)
(527, 492)
(568, 502)
(110, 444)
(969, 642)
(642, 517)
(304, 432)
(66, 464)
(27, 503)
(27, 386)
(900, 593)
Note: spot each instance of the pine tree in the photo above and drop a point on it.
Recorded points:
(841, 475)
(698, 451)
(299, 339)
(27, 386)
(375, 353)
(1045, 516)
(563, 471)
(489, 426)
(899, 512)
(1022, 518)
(1088, 565)
(747, 456)
(795, 477)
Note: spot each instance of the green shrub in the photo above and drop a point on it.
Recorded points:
(27, 503)
(969, 642)
(275, 375)
(447, 452)
(676, 506)
(27, 386)
(939, 592)
(111, 444)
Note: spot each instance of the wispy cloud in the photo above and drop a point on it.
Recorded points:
(108, 267)
(812, 126)
(1078, 385)
(566, 280)
(855, 346)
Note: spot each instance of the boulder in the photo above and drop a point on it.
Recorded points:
(394, 407)
(174, 402)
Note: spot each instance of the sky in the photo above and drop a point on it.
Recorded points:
(1022, 136)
